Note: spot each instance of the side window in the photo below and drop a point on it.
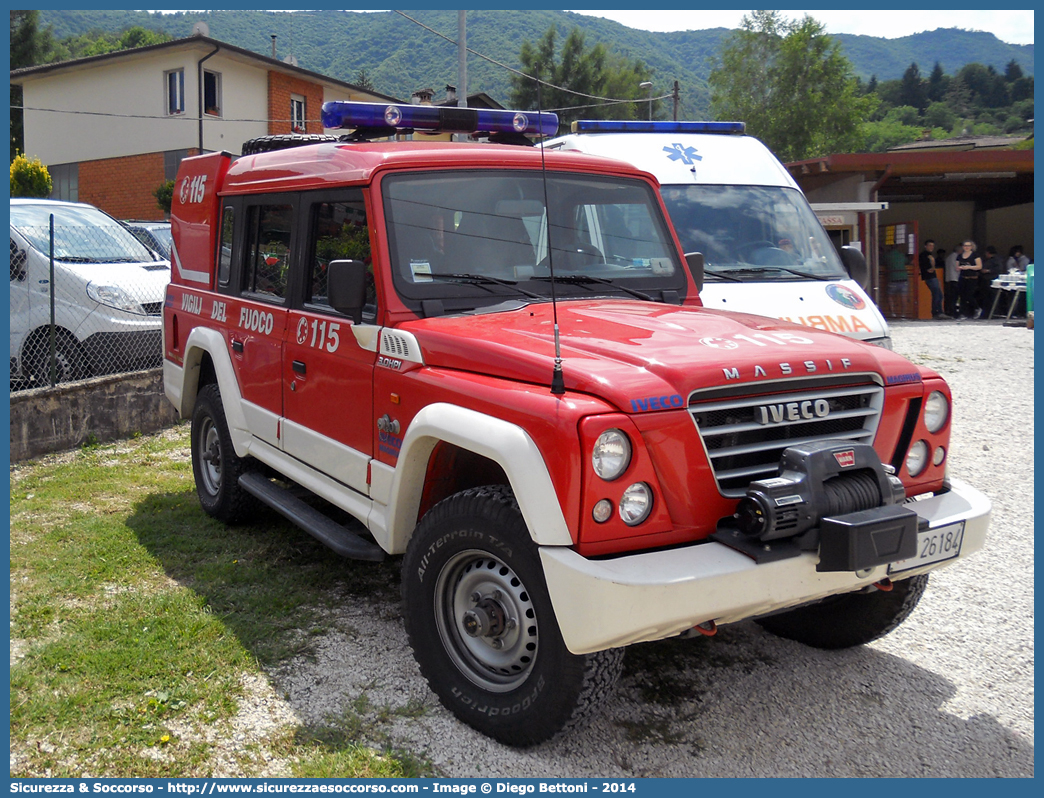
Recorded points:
(225, 251)
(175, 90)
(298, 120)
(339, 232)
(212, 93)
(268, 250)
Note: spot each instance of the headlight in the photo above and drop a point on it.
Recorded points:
(611, 454)
(114, 297)
(636, 504)
(917, 458)
(936, 411)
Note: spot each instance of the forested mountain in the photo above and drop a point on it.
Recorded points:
(399, 56)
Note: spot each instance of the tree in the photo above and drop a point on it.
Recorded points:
(1012, 71)
(912, 90)
(29, 178)
(574, 76)
(164, 194)
(363, 81)
(938, 83)
(792, 85)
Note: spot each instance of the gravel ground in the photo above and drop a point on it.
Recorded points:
(950, 693)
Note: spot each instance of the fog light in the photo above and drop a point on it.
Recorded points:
(603, 510)
(917, 458)
(636, 504)
(939, 456)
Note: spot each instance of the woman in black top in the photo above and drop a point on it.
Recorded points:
(969, 264)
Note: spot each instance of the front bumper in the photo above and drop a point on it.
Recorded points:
(608, 603)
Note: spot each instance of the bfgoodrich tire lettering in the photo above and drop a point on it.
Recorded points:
(482, 627)
(849, 620)
(215, 466)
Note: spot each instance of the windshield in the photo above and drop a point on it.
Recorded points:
(81, 234)
(479, 238)
(752, 232)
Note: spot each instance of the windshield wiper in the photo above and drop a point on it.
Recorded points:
(482, 279)
(807, 275)
(586, 279)
(722, 275)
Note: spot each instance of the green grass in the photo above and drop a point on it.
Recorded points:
(137, 620)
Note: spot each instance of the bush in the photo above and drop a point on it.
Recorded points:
(29, 178)
(940, 115)
(164, 194)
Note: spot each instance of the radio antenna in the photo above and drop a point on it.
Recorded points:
(557, 378)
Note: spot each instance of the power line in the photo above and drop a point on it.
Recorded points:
(606, 100)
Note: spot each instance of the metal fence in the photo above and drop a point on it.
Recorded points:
(86, 298)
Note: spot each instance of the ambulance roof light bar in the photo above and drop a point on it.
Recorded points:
(436, 119)
(639, 126)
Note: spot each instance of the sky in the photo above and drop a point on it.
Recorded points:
(1014, 27)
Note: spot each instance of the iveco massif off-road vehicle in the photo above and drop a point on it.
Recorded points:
(495, 358)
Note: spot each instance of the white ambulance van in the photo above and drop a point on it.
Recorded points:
(730, 198)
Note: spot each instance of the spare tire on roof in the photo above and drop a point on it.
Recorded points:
(284, 141)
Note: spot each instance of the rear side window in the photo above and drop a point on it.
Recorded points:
(268, 250)
(225, 252)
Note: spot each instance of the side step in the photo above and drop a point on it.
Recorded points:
(321, 527)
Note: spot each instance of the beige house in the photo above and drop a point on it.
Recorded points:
(112, 128)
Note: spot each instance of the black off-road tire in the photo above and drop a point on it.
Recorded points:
(528, 687)
(849, 620)
(215, 465)
(284, 141)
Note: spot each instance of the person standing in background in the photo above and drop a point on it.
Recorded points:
(926, 265)
(898, 279)
(969, 264)
(951, 275)
(992, 267)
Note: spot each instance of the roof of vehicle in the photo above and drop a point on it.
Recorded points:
(146, 223)
(686, 158)
(318, 165)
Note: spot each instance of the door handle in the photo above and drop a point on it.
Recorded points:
(299, 367)
(237, 346)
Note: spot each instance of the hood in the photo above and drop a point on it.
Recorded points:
(644, 356)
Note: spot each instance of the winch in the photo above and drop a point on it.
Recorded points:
(836, 496)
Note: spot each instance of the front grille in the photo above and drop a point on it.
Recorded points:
(153, 308)
(745, 437)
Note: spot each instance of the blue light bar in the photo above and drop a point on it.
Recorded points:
(619, 126)
(436, 118)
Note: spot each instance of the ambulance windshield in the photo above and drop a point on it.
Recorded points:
(752, 233)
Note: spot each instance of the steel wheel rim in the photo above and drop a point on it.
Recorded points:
(495, 666)
(210, 457)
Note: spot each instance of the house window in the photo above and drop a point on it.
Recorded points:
(65, 181)
(212, 93)
(297, 114)
(175, 80)
(171, 161)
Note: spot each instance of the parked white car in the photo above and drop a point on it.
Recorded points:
(108, 291)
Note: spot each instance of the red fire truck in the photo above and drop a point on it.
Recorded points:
(495, 358)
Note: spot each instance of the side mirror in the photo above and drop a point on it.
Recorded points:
(346, 285)
(855, 265)
(695, 263)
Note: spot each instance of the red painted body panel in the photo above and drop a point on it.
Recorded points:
(627, 363)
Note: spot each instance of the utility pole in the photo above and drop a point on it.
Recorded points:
(675, 101)
(462, 60)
